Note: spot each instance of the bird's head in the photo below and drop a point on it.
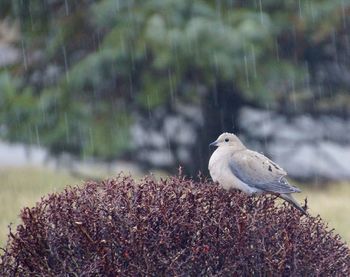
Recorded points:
(228, 140)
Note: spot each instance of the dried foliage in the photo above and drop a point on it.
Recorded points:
(174, 227)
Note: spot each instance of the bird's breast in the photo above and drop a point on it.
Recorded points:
(220, 172)
(216, 163)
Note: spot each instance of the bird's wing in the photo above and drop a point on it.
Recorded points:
(258, 171)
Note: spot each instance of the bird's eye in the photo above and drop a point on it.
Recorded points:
(226, 139)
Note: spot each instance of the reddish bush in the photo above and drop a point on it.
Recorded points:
(174, 227)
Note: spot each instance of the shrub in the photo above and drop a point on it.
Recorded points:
(173, 227)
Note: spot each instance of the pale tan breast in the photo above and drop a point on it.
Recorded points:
(220, 172)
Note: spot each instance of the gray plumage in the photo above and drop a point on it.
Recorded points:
(232, 165)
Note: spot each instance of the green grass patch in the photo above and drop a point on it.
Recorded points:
(21, 187)
(332, 202)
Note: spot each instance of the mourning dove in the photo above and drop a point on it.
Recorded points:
(234, 166)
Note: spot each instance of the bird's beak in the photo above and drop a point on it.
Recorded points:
(214, 143)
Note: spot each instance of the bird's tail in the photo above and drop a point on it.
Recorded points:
(288, 197)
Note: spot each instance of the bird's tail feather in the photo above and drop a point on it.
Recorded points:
(291, 200)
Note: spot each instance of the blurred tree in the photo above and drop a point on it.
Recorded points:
(89, 65)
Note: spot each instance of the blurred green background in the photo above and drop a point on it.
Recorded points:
(148, 84)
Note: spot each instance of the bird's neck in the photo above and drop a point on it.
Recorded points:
(239, 146)
(231, 148)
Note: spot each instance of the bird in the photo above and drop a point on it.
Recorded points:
(234, 166)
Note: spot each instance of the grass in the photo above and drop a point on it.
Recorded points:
(22, 187)
(332, 202)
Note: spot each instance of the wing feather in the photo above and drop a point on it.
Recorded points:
(258, 171)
